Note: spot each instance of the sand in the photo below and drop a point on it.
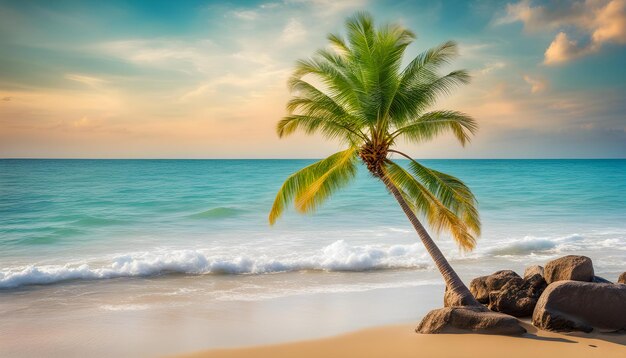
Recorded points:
(402, 341)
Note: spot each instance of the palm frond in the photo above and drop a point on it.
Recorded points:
(343, 86)
(412, 100)
(312, 185)
(440, 218)
(423, 67)
(325, 125)
(431, 124)
(452, 193)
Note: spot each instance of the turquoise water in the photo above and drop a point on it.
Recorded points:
(98, 219)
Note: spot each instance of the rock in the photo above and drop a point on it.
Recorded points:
(451, 299)
(622, 278)
(532, 270)
(598, 279)
(480, 287)
(571, 267)
(518, 297)
(470, 319)
(581, 306)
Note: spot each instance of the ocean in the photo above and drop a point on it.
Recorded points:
(182, 249)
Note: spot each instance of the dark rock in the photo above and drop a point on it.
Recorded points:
(518, 297)
(480, 287)
(598, 279)
(571, 267)
(451, 299)
(581, 306)
(622, 278)
(532, 270)
(470, 319)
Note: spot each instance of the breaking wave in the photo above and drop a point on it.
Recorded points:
(538, 245)
(338, 256)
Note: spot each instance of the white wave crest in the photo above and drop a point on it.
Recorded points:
(339, 256)
(536, 245)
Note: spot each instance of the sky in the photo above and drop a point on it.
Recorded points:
(207, 79)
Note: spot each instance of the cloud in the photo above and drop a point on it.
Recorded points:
(245, 14)
(549, 16)
(536, 85)
(87, 80)
(562, 49)
(167, 53)
(293, 32)
(611, 23)
(491, 66)
(326, 8)
(584, 27)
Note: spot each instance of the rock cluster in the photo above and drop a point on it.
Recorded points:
(563, 296)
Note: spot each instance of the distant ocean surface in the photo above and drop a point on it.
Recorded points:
(94, 220)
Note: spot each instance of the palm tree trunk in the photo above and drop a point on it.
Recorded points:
(453, 281)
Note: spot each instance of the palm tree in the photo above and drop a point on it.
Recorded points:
(356, 91)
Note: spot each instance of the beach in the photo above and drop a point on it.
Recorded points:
(400, 341)
(313, 178)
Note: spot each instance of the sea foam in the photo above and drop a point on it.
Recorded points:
(540, 245)
(338, 256)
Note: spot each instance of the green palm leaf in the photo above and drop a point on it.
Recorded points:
(425, 203)
(452, 193)
(431, 124)
(312, 185)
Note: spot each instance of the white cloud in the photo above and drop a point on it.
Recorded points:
(87, 80)
(491, 66)
(162, 52)
(246, 14)
(536, 85)
(330, 7)
(611, 23)
(562, 49)
(593, 23)
(293, 32)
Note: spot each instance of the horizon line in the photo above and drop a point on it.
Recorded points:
(317, 158)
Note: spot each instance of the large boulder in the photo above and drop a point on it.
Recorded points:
(480, 287)
(518, 297)
(622, 278)
(581, 306)
(470, 319)
(571, 267)
(533, 270)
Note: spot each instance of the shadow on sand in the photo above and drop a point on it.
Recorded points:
(614, 337)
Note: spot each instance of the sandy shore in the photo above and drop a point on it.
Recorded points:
(401, 341)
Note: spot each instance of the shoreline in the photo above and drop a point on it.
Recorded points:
(401, 341)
